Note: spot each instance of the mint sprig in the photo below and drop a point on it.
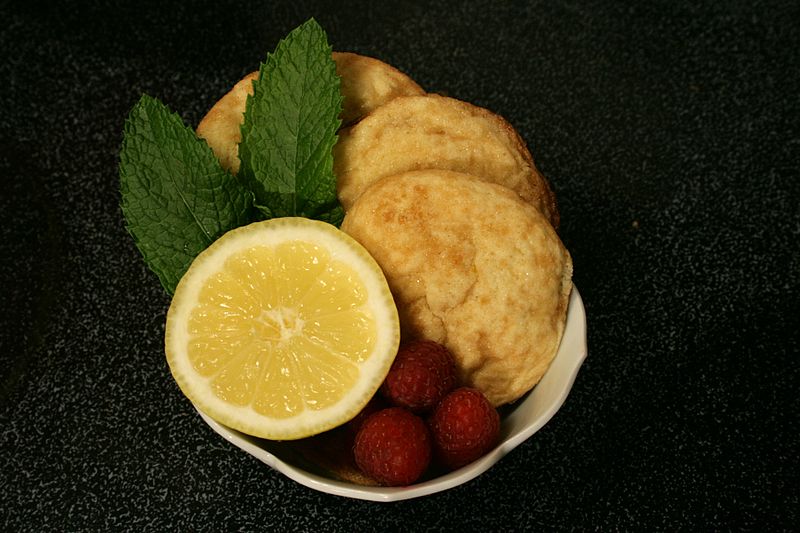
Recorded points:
(289, 129)
(176, 197)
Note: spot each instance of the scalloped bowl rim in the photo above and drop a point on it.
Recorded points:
(530, 415)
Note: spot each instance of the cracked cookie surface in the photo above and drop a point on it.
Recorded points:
(471, 266)
(432, 131)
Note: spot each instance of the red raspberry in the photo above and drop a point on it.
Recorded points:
(375, 404)
(422, 374)
(393, 447)
(464, 427)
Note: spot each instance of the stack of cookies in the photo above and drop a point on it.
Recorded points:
(447, 199)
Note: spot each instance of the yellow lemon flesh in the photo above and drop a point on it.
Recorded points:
(282, 329)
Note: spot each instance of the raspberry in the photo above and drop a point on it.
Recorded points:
(464, 426)
(393, 447)
(375, 404)
(423, 372)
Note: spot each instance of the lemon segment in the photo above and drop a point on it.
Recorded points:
(282, 329)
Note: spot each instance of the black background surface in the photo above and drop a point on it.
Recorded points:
(670, 133)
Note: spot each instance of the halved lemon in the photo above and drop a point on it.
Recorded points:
(282, 329)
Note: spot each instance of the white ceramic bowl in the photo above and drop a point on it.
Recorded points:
(525, 419)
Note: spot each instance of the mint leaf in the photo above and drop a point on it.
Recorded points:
(175, 196)
(289, 129)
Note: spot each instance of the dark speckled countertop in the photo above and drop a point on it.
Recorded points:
(671, 133)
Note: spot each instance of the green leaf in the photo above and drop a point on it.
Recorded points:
(289, 129)
(175, 196)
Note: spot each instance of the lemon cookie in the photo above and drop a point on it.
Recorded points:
(432, 131)
(366, 84)
(471, 266)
